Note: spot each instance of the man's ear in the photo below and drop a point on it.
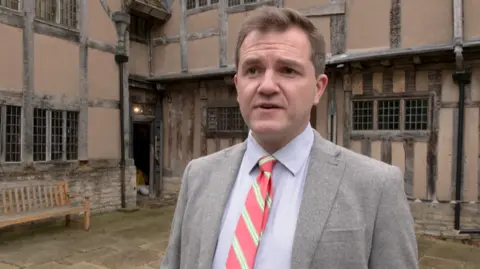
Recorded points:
(320, 87)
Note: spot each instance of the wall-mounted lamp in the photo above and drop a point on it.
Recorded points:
(137, 109)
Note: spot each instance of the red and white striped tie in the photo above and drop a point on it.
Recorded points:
(254, 217)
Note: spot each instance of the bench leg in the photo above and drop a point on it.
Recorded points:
(67, 220)
(86, 215)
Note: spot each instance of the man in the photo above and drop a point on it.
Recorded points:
(286, 197)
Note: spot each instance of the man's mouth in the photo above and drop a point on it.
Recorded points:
(269, 106)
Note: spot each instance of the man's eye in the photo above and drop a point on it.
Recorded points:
(251, 71)
(288, 71)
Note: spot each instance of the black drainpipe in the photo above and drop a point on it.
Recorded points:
(462, 78)
(121, 59)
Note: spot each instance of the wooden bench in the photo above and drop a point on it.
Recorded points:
(29, 201)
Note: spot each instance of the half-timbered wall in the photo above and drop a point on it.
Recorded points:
(408, 117)
(401, 110)
(59, 96)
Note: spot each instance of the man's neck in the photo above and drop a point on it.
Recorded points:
(272, 144)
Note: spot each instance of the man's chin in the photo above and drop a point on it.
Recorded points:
(267, 128)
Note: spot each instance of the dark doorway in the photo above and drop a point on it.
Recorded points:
(141, 149)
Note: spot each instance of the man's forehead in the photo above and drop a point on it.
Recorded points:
(292, 33)
(289, 41)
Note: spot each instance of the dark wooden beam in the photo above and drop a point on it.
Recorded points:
(204, 34)
(222, 20)
(190, 36)
(164, 40)
(408, 146)
(386, 151)
(347, 92)
(55, 31)
(338, 26)
(366, 147)
(11, 18)
(209, 73)
(28, 80)
(183, 37)
(396, 24)
(335, 8)
(101, 46)
(390, 135)
(434, 86)
(83, 87)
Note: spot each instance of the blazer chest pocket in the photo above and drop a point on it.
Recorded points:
(342, 235)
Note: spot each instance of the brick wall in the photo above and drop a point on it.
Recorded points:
(437, 219)
(99, 179)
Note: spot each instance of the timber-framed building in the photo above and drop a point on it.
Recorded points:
(404, 88)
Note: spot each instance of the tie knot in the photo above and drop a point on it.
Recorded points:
(266, 163)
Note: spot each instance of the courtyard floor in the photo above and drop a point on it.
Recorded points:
(138, 239)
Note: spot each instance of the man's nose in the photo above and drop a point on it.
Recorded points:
(268, 84)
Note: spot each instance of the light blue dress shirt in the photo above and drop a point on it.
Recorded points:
(288, 180)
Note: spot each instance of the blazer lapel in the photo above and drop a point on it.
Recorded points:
(324, 175)
(217, 193)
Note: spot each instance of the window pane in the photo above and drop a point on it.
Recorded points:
(39, 134)
(416, 114)
(13, 143)
(225, 119)
(191, 4)
(72, 135)
(388, 114)
(13, 4)
(362, 115)
(57, 134)
(45, 10)
(232, 3)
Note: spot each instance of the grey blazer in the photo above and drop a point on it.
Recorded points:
(354, 212)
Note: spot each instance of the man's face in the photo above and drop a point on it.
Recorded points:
(276, 83)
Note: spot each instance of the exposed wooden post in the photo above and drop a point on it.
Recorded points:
(434, 86)
(183, 36)
(83, 115)
(28, 81)
(222, 21)
(458, 22)
(347, 91)
(338, 29)
(458, 32)
(396, 24)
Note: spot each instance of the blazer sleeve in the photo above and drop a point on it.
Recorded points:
(173, 252)
(394, 243)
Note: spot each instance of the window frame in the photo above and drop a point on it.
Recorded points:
(135, 19)
(223, 133)
(3, 4)
(3, 134)
(402, 97)
(58, 15)
(48, 144)
(197, 4)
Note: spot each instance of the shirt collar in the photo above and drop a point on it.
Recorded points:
(293, 155)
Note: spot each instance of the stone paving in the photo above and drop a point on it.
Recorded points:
(137, 240)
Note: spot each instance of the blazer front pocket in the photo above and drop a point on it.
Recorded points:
(342, 235)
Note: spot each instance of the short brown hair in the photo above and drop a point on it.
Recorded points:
(270, 18)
